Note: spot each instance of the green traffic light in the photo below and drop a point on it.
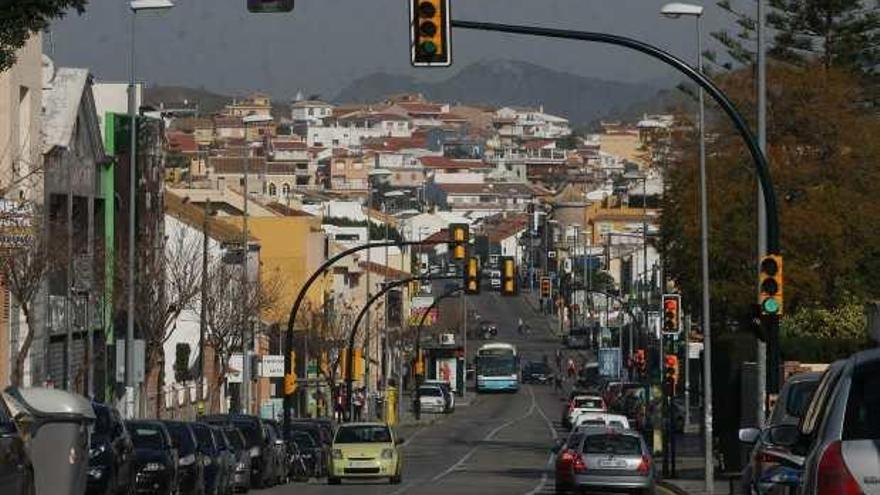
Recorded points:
(771, 306)
(429, 47)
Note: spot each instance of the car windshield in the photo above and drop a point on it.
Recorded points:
(430, 392)
(147, 437)
(862, 420)
(303, 440)
(103, 420)
(181, 438)
(363, 434)
(797, 398)
(234, 438)
(612, 445)
(538, 368)
(204, 438)
(253, 436)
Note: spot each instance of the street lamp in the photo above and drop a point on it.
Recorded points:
(373, 176)
(135, 6)
(676, 10)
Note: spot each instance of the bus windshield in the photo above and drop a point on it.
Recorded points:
(496, 365)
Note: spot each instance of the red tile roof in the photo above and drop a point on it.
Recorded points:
(235, 165)
(289, 145)
(441, 162)
(421, 108)
(393, 143)
(182, 142)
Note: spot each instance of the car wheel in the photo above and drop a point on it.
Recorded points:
(333, 481)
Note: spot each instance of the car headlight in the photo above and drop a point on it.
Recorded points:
(96, 451)
(206, 461)
(155, 466)
(387, 453)
(241, 466)
(337, 454)
(187, 460)
(254, 452)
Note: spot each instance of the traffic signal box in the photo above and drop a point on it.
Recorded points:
(290, 379)
(670, 373)
(641, 362)
(546, 288)
(269, 6)
(472, 276)
(459, 235)
(508, 276)
(429, 33)
(671, 313)
(770, 285)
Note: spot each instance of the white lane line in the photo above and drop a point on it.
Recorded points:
(489, 436)
(554, 434)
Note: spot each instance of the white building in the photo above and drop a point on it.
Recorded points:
(311, 111)
(530, 123)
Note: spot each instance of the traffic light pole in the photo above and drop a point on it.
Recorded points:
(300, 297)
(352, 336)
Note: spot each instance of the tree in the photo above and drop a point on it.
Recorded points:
(840, 33)
(228, 303)
(22, 18)
(822, 154)
(27, 256)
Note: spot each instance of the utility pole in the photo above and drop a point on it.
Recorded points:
(203, 310)
(245, 314)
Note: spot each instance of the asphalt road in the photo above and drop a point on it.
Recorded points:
(496, 444)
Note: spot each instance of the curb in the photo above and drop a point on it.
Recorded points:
(677, 490)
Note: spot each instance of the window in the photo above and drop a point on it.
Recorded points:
(340, 165)
(612, 445)
(285, 189)
(363, 434)
(358, 165)
(272, 189)
(862, 420)
(311, 112)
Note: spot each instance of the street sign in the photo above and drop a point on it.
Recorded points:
(272, 366)
(694, 350)
(609, 361)
(236, 364)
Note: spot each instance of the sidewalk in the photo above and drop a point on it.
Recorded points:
(689, 473)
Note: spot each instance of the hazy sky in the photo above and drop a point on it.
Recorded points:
(324, 44)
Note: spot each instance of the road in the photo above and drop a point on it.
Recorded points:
(496, 444)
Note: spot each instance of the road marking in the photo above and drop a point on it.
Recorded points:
(489, 436)
(554, 434)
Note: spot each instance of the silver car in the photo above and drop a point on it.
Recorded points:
(611, 459)
(842, 427)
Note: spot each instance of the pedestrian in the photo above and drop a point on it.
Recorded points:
(339, 405)
(557, 381)
(358, 402)
(558, 359)
(572, 369)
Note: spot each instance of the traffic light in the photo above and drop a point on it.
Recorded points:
(546, 287)
(429, 33)
(770, 280)
(459, 235)
(671, 313)
(472, 276)
(641, 362)
(269, 6)
(508, 276)
(670, 371)
(290, 380)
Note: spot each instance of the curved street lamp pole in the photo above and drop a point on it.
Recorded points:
(417, 406)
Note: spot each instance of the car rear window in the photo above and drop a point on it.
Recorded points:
(182, 438)
(147, 437)
(430, 392)
(862, 420)
(612, 444)
(204, 438)
(588, 403)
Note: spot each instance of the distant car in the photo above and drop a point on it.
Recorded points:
(365, 450)
(156, 458)
(488, 330)
(191, 468)
(578, 338)
(111, 453)
(537, 372)
(448, 394)
(240, 480)
(842, 428)
(609, 460)
(432, 399)
(16, 471)
(766, 460)
(581, 404)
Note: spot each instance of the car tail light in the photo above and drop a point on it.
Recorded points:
(833, 476)
(645, 465)
(566, 456)
(580, 465)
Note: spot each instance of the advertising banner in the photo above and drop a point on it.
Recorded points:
(447, 371)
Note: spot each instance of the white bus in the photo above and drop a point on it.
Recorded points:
(497, 368)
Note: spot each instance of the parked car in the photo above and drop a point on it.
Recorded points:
(240, 479)
(587, 419)
(580, 404)
(768, 461)
(264, 458)
(537, 372)
(566, 450)
(229, 459)
(281, 452)
(448, 394)
(191, 467)
(213, 460)
(156, 458)
(306, 456)
(365, 450)
(318, 430)
(432, 399)
(842, 427)
(111, 453)
(610, 459)
(16, 471)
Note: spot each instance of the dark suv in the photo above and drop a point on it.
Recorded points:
(155, 458)
(265, 464)
(191, 470)
(111, 453)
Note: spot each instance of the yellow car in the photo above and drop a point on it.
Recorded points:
(365, 450)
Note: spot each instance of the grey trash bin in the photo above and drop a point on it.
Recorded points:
(56, 426)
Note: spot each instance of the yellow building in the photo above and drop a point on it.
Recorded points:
(601, 220)
(255, 104)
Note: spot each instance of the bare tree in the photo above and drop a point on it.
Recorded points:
(26, 258)
(228, 303)
(167, 279)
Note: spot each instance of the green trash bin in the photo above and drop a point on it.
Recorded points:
(55, 426)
